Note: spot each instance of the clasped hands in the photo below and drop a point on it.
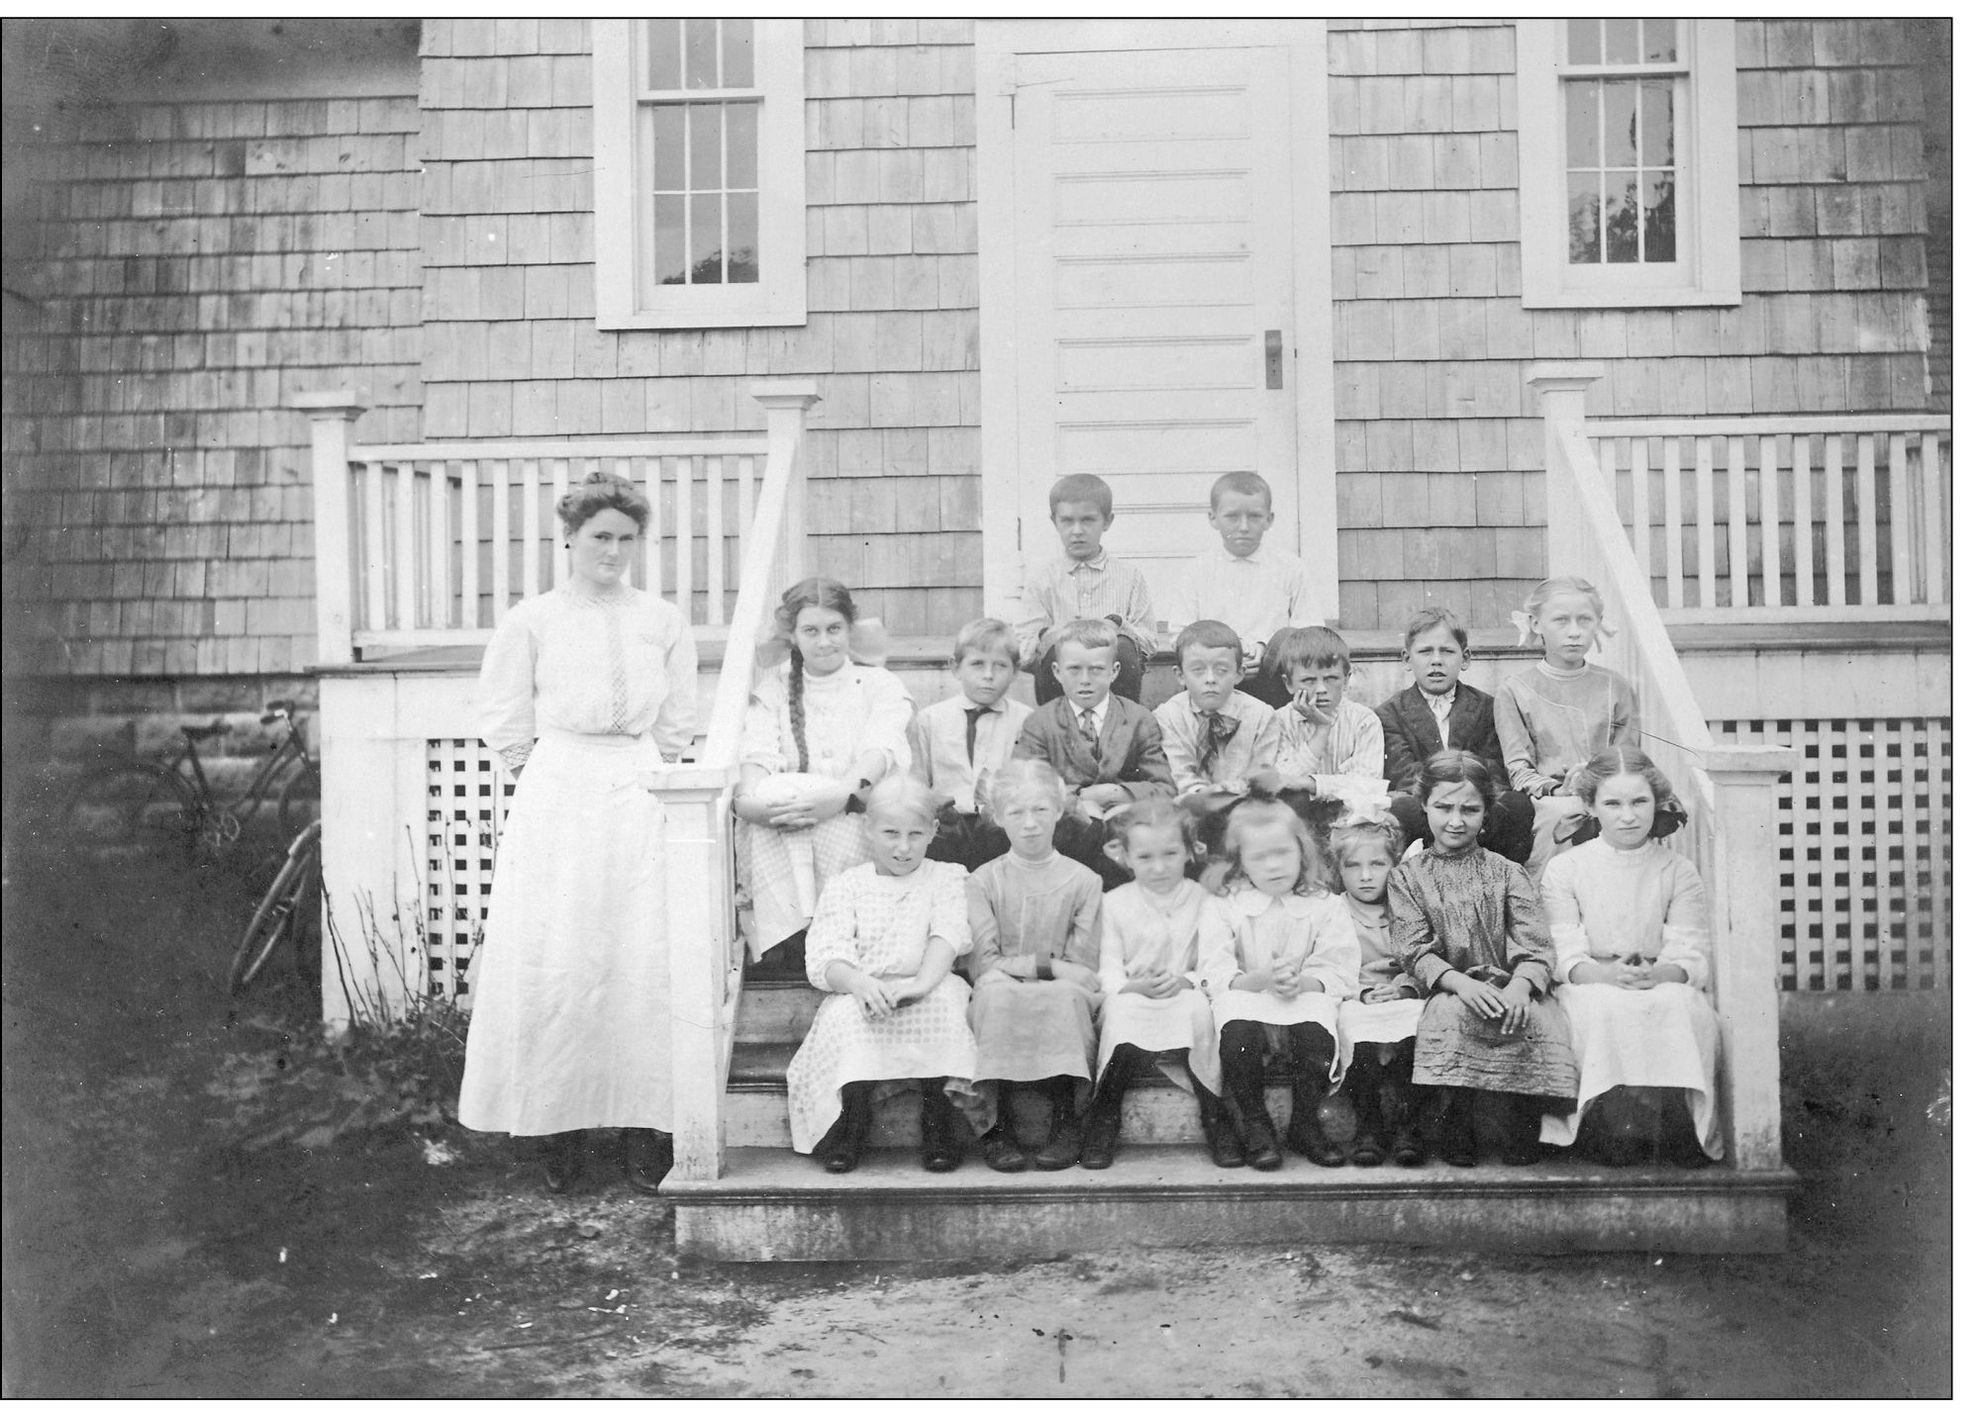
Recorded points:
(1510, 1003)
(1159, 985)
(877, 998)
(1283, 978)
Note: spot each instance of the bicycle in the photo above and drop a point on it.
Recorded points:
(152, 805)
(287, 909)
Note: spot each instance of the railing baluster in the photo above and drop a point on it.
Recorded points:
(1706, 525)
(1638, 492)
(1672, 520)
(470, 544)
(717, 552)
(1868, 518)
(559, 486)
(649, 475)
(1936, 525)
(683, 535)
(498, 539)
(438, 524)
(532, 528)
(405, 598)
(744, 508)
(1902, 564)
(1769, 530)
(1803, 521)
(376, 551)
(1737, 549)
(1835, 476)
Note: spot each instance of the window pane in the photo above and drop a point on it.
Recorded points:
(1583, 41)
(1583, 218)
(1623, 41)
(700, 53)
(705, 216)
(743, 264)
(1619, 101)
(704, 146)
(669, 148)
(742, 146)
(738, 53)
(1658, 123)
(1659, 39)
(662, 54)
(1659, 219)
(1621, 221)
(669, 242)
(1583, 122)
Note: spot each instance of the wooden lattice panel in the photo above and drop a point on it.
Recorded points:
(1864, 852)
(467, 795)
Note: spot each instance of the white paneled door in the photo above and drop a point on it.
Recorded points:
(1153, 284)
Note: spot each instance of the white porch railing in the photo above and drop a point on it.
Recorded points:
(1784, 519)
(426, 546)
(1729, 791)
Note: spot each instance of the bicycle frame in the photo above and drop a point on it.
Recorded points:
(248, 803)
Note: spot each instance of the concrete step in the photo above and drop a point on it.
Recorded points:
(774, 1205)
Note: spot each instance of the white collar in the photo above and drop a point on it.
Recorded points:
(1448, 700)
(1098, 562)
(1252, 902)
(1254, 557)
(1098, 712)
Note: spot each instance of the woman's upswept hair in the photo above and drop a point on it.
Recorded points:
(900, 791)
(601, 490)
(1382, 829)
(1263, 810)
(1021, 777)
(807, 593)
(1623, 760)
(1456, 768)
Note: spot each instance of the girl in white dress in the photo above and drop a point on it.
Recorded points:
(1377, 1024)
(884, 943)
(1280, 954)
(1632, 930)
(1156, 1010)
(821, 730)
(590, 685)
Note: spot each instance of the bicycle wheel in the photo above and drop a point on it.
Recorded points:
(284, 913)
(301, 799)
(121, 806)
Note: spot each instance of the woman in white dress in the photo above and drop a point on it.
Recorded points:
(589, 685)
(820, 732)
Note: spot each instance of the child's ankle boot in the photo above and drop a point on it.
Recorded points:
(1458, 1137)
(1307, 1135)
(940, 1150)
(1225, 1144)
(1369, 1127)
(1102, 1117)
(844, 1144)
(1061, 1149)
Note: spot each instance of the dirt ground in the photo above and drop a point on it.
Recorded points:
(199, 1204)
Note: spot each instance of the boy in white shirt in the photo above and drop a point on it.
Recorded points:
(960, 742)
(1258, 592)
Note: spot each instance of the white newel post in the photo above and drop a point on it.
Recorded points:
(1745, 911)
(698, 888)
(1562, 402)
(330, 416)
(785, 403)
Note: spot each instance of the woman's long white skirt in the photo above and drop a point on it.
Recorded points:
(1663, 1038)
(571, 1006)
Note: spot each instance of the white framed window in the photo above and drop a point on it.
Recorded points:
(1628, 162)
(700, 172)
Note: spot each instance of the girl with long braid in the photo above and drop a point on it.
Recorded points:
(820, 732)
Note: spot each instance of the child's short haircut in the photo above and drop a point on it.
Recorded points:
(1382, 829)
(1207, 633)
(1021, 776)
(1312, 650)
(1153, 812)
(1456, 768)
(1260, 811)
(1082, 489)
(1239, 483)
(1427, 620)
(903, 792)
(1088, 633)
(985, 635)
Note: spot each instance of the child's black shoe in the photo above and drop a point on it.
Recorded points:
(563, 1160)
(1101, 1139)
(1367, 1150)
(1310, 1139)
(1410, 1151)
(1260, 1147)
(1002, 1153)
(940, 1151)
(1060, 1150)
(1225, 1147)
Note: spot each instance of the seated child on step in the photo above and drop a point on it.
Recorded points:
(1085, 583)
(1633, 932)
(1258, 592)
(1468, 925)
(1439, 711)
(960, 741)
(1553, 716)
(1280, 954)
(884, 943)
(1377, 1025)
(1215, 737)
(1105, 748)
(1150, 971)
(1032, 914)
(1328, 748)
(819, 731)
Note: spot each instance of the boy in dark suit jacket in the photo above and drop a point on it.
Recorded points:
(1108, 749)
(1440, 713)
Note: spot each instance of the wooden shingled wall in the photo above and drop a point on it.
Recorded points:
(512, 347)
(1439, 456)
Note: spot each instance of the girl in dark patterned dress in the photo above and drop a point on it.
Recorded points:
(1469, 926)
